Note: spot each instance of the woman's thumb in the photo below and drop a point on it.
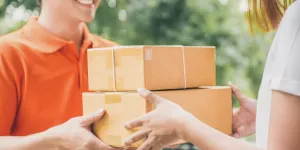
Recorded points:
(237, 93)
(153, 98)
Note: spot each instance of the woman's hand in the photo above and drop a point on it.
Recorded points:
(160, 127)
(245, 118)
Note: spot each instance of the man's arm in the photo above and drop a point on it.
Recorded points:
(32, 142)
(73, 134)
(11, 72)
(10, 78)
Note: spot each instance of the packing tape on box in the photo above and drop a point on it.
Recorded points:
(119, 84)
(184, 65)
(120, 80)
(111, 98)
(110, 86)
(114, 79)
(113, 68)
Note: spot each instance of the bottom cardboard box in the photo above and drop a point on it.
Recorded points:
(211, 105)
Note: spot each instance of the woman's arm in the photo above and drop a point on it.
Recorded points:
(284, 131)
(205, 137)
(169, 119)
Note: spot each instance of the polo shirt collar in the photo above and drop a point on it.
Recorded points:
(42, 38)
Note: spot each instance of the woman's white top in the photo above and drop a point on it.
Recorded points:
(282, 70)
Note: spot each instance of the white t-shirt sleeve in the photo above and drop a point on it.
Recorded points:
(286, 69)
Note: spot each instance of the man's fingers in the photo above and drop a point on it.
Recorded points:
(138, 122)
(148, 95)
(137, 136)
(148, 144)
(90, 119)
(236, 91)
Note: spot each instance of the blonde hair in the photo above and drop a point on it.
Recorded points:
(266, 14)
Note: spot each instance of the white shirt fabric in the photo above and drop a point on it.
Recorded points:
(282, 70)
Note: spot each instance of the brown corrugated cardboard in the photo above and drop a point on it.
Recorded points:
(211, 105)
(152, 67)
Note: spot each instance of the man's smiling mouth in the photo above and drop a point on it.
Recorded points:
(85, 2)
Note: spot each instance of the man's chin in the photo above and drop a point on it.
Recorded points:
(87, 19)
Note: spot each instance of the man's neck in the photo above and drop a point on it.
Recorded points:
(62, 28)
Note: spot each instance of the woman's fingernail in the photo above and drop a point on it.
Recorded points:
(125, 143)
(100, 111)
(140, 90)
(127, 125)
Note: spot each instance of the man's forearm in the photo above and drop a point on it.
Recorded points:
(32, 142)
(206, 137)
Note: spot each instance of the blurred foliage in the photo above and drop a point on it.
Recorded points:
(240, 56)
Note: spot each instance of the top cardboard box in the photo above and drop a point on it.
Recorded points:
(126, 68)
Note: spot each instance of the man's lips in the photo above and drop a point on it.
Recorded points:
(86, 2)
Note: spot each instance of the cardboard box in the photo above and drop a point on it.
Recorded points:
(211, 105)
(127, 68)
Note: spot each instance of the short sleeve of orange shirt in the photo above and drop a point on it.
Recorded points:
(41, 79)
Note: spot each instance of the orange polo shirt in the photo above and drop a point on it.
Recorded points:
(42, 78)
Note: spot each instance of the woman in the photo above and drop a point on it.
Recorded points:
(278, 114)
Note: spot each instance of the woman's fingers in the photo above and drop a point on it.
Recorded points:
(149, 143)
(236, 91)
(236, 119)
(138, 122)
(157, 146)
(148, 95)
(240, 131)
(137, 136)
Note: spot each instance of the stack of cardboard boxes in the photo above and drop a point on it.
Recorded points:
(185, 75)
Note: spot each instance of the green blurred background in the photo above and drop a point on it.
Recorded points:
(220, 23)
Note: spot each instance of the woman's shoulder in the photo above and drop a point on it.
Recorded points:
(292, 14)
(288, 32)
(284, 63)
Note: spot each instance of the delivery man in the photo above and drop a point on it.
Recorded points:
(43, 71)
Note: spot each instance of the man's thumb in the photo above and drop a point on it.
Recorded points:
(149, 96)
(90, 119)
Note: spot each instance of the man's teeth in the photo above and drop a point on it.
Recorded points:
(86, 2)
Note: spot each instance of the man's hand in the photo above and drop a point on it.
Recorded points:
(75, 134)
(245, 118)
